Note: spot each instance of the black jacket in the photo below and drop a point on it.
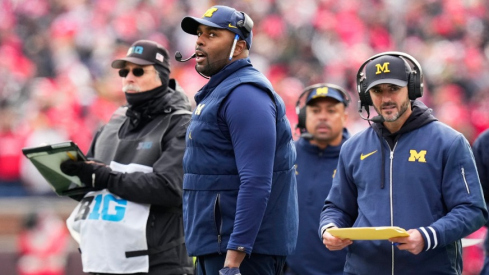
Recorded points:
(163, 187)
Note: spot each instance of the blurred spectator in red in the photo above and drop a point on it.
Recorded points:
(43, 245)
(72, 43)
(11, 143)
(43, 130)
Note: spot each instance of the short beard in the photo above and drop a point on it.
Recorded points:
(130, 87)
(402, 110)
(211, 68)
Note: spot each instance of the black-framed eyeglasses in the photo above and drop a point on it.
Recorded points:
(137, 72)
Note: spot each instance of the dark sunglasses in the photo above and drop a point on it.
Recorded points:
(137, 72)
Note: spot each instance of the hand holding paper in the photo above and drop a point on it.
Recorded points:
(334, 243)
(413, 243)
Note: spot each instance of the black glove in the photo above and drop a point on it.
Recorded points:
(91, 173)
(229, 271)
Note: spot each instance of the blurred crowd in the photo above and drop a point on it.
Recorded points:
(56, 83)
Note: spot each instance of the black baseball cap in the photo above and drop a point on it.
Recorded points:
(387, 69)
(145, 52)
(325, 91)
(221, 17)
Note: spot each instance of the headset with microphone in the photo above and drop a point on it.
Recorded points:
(245, 25)
(415, 83)
(301, 111)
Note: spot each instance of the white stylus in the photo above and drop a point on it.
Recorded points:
(236, 37)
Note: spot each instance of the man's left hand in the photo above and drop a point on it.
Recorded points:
(91, 173)
(414, 243)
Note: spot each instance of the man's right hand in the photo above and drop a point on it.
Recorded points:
(333, 243)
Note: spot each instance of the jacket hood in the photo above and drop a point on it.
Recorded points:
(176, 97)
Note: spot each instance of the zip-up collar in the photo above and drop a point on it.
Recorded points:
(328, 152)
(216, 79)
(421, 115)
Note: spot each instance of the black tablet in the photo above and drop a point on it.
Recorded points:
(47, 160)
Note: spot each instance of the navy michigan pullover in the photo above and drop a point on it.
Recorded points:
(431, 184)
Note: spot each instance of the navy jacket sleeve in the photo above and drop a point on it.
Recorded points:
(248, 117)
(462, 197)
(340, 207)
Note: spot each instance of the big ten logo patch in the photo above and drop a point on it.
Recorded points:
(145, 145)
(384, 68)
(102, 207)
(137, 49)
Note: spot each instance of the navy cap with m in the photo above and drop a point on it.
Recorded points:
(325, 91)
(221, 17)
(387, 69)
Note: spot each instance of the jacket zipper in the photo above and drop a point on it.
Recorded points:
(465, 180)
(218, 222)
(391, 202)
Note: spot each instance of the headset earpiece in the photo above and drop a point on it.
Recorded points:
(416, 84)
(301, 121)
(364, 95)
(245, 25)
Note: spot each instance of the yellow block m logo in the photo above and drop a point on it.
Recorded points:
(417, 156)
(320, 92)
(384, 68)
(209, 12)
(199, 109)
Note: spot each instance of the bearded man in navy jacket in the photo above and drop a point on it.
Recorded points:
(407, 170)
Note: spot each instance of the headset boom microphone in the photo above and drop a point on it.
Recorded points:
(377, 119)
(178, 57)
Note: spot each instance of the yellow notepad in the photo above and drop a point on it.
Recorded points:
(368, 233)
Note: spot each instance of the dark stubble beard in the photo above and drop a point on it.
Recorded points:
(212, 68)
(402, 110)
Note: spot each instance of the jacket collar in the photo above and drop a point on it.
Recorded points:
(216, 79)
(329, 152)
